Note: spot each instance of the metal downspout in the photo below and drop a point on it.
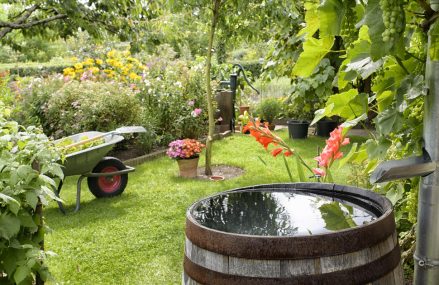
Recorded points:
(427, 235)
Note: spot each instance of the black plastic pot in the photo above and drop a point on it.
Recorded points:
(298, 129)
(325, 127)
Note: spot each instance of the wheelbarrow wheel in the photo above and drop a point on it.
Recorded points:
(108, 186)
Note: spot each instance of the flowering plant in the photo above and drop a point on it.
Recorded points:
(184, 149)
(330, 153)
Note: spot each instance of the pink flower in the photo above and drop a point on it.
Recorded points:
(331, 152)
(191, 103)
(319, 171)
(195, 113)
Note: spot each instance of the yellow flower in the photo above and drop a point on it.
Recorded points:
(126, 53)
(94, 70)
(89, 61)
(78, 65)
(68, 71)
(99, 61)
(134, 76)
(111, 53)
(74, 59)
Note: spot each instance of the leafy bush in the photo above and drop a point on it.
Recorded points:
(44, 70)
(311, 93)
(81, 106)
(269, 109)
(170, 93)
(26, 164)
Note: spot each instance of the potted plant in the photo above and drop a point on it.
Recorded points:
(243, 120)
(308, 95)
(187, 154)
(268, 110)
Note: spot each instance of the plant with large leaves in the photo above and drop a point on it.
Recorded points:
(27, 169)
(387, 52)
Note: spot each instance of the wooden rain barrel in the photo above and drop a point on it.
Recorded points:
(227, 242)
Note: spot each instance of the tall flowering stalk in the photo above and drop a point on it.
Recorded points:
(330, 153)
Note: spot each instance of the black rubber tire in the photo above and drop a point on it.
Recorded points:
(102, 187)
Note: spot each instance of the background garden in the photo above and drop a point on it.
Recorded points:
(71, 67)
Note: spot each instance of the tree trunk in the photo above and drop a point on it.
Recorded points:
(209, 141)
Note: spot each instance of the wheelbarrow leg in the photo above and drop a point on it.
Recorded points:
(60, 205)
(78, 192)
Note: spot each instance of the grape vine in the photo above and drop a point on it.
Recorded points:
(393, 18)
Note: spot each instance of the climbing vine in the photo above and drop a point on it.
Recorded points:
(383, 43)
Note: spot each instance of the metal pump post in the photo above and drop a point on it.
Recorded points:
(427, 235)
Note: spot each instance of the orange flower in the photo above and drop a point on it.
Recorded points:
(275, 152)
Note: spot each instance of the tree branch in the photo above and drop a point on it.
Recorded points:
(20, 23)
(426, 7)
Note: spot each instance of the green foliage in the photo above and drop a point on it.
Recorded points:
(35, 69)
(26, 165)
(388, 51)
(74, 107)
(170, 96)
(309, 94)
(269, 109)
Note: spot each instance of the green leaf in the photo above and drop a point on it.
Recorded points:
(313, 52)
(388, 121)
(377, 149)
(347, 158)
(31, 199)
(21, 274)
(24, 171)
(26, 220)
(50, 193)
(395, 194)
(47, 180)
(300, 171)
(288, 168)
(353, 122)
(384, 100)
(331, 13)
(374, 20)
(9, 226)
(12, 204)
(412, 87)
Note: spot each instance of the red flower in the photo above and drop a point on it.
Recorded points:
(275, 152)
(288, 153)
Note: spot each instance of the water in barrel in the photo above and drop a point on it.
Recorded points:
(271, 213)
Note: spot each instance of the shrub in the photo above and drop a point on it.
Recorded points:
(170, 94)
(269, 109)
(88, 105)
(26, 165)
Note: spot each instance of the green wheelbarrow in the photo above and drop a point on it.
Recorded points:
(106, 176)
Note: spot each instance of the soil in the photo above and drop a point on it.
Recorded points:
(227, 171)
(127, 152)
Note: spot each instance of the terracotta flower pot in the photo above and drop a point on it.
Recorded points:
(188, 167)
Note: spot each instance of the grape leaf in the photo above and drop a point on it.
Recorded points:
(331, 13)
(313, 52)
(374, 20)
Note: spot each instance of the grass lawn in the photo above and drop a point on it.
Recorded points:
(138, 238)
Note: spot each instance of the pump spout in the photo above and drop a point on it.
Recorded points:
(404, 168)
